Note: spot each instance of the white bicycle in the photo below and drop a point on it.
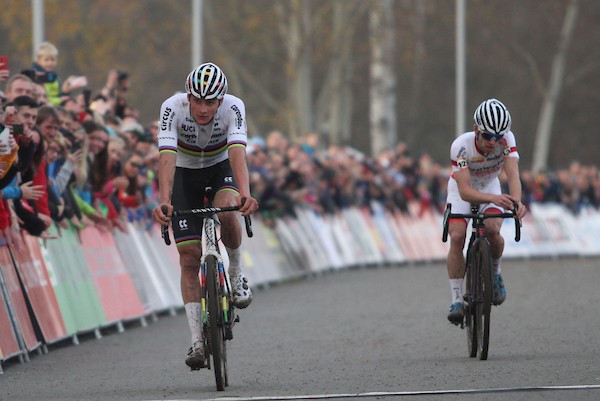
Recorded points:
(218, 313)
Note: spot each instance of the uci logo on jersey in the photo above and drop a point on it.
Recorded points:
(188, 128)
(228, 179)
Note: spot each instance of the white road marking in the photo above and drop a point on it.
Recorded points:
(399, 393)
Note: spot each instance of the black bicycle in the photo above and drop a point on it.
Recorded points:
(478, 277)
(218, 313)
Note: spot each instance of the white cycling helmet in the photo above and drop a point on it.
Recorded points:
(493, 117)
(207, 81)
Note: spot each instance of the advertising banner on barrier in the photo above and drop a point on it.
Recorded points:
(150, 279)
(115, 287)
(353, 225)
(263, 256)
(550, 230)
(73, 285)
(166, 261)
(17, 300)
(587, 231)
(129, 254)
(306, 233)
(431, 224)
(322, 235)
(389, 246)
(293, 249)
(8, 338)
(345, 241)
(32, 269)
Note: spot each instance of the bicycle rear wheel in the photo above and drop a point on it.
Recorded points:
(485, 306)
(215, 323)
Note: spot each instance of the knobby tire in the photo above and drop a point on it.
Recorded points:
(215, 323)
(471, 297)
(485, 268)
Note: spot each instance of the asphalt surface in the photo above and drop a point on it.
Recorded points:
(368, 334)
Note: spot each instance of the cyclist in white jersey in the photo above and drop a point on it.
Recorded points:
(202, 142)
(478, 158)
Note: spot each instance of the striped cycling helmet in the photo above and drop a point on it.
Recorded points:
(207, 81)
(493, 117)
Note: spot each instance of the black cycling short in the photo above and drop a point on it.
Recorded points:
(189, 193)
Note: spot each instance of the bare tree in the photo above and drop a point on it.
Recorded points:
(551, 95)
(335, 100)
(416, 91)
(295, 25)
(382, 96)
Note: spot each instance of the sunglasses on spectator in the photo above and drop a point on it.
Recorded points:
(138, 165)
(488, 137)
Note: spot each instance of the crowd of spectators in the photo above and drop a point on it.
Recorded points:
(72, 156)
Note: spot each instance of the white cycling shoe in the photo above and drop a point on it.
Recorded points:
(195, 357)
(241, 293)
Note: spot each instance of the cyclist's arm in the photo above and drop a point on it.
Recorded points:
(511, 168)
(166, 174)
(467, 192)
(167, 146)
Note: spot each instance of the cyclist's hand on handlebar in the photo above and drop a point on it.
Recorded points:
(160, 216)
(505, 201)
(509, 202)
(248, 204)
(521, 210)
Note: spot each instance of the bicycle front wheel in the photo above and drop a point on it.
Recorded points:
(485, 289)
(471, 299)
(215, 323)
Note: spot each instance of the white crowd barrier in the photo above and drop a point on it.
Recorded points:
(89, 280)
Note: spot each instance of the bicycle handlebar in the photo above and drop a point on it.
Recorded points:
(164, 230)
(203, 212)
(481, 216)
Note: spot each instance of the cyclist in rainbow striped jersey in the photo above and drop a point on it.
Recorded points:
(202, 142)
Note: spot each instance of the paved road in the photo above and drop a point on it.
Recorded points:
(347, 334)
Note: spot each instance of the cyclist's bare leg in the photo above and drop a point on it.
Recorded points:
(231, 230)
(496, 248)
(456, 269)
(457, 231)
(492, 230)
(189, 261)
